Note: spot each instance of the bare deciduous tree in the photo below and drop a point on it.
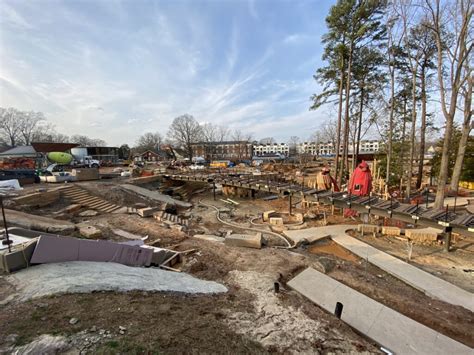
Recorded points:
(10, 124)
(149, 141)
(85, 141)
(185, 131)
(466, 129)
(243, 139)
(293, 145)
(29, 124)
(453, 24)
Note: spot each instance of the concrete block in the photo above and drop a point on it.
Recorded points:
(158, 215)
(177, 227)
(425, 235)
(244, 240)
(367, 228)
(85, 174)
(39, 223)
(90, 231)
(278, 221)
(147, 211)
(391, 231)
(89, 213)
(209, 238)
(267, 215)
(38, 198)
(297, 217)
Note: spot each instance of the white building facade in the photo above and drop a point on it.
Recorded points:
(327, 148)
(272, 148)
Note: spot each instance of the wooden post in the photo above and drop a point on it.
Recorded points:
(290, 209)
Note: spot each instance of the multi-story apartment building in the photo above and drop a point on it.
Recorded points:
(271, 148)
(327, 148)
(226, 150)
(307, 148)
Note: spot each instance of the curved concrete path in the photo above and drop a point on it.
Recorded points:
(415, 277)
(387, 327)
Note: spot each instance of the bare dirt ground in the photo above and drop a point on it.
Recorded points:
(456, 267)
(250, 318)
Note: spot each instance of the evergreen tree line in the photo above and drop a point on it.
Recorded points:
(393, 65)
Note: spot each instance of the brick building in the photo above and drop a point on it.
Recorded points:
(226, 150)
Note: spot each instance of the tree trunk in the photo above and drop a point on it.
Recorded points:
(422, 129)
(402, 148)
(345, 160)
(412, 135)
(339, 119)
(455, 79)
(390, 124)
(355, 155)
(466, 129)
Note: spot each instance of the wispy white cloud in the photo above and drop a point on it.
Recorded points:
(10, 17)
(125, 70)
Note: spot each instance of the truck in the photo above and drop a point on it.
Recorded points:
(75, 161)
(82, 159)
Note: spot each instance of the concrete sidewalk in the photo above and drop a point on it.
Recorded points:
(387, 327)
(419, 279)
(415, 277)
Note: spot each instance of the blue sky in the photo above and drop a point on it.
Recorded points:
(117, 69)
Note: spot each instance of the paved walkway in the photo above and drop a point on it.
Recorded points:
(387, 327)
(415, 277)
(429, 284)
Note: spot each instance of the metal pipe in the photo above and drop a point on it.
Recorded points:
(5, 225)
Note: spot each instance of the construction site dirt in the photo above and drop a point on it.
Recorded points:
(251, 317)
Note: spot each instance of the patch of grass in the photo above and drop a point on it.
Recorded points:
(125, 346)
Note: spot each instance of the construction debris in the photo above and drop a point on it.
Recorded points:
(368, 228)
(394, 231)
(89, 232)
(209, 238)
(267, 214)
(170, 219)
(425, 235)
(244, 240)
(88, 213)
(85, 174)
(277, 221)
(148, 211)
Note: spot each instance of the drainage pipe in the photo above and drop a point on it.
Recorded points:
(263, 231)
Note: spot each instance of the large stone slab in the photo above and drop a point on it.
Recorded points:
(387, 327)
(155, 196)
(39, 223)
(419, 279)
(244, 240)
(311, 235)
(39, 199)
